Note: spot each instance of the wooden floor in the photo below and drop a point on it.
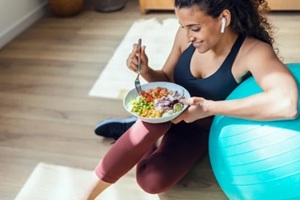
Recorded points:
(46, 114)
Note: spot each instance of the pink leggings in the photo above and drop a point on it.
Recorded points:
(158, 168)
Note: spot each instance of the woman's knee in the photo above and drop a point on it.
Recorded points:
(155, 178)
(153, 183)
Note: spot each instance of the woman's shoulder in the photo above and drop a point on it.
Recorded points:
(181, 40)
(255, 49)
(254, 55)
(253, 46)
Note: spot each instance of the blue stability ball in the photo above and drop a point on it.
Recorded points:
(254, 160)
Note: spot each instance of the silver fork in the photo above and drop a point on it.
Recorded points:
(137, 82)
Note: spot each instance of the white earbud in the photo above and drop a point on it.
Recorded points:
(223, 25)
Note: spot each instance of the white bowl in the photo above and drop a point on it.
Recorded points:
(132, 94)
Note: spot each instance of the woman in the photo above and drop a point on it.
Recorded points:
(219, 44)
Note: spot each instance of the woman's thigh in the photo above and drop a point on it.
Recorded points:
(181, 147)
(129, 149)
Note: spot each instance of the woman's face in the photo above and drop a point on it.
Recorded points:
(202, 30)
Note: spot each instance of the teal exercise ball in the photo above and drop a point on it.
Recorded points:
(256, 160)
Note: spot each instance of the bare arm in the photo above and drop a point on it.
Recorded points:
(278, 100)
(279, 97)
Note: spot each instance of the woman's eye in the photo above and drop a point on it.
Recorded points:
(195, 29)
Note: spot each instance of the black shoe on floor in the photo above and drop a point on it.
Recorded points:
(114, 128)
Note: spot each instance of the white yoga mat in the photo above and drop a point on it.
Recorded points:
(53, 182)
(116, 79)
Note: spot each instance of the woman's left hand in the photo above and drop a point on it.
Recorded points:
(194, 111)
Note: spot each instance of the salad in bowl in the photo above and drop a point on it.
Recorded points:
(157, 103)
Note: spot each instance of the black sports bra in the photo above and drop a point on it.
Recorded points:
(215, 87)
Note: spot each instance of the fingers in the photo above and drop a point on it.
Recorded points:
(189, 101)
(132, 60)
(192, 101)
(136, 49)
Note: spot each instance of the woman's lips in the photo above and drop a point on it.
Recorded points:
(197, 44)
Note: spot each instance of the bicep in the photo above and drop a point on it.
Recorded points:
(269, 72)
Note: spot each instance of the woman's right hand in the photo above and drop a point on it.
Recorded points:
(132, 60)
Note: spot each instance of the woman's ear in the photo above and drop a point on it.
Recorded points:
(225, 20)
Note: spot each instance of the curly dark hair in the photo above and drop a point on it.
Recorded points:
(247, 16)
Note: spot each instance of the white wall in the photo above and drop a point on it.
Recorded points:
(17, 15)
